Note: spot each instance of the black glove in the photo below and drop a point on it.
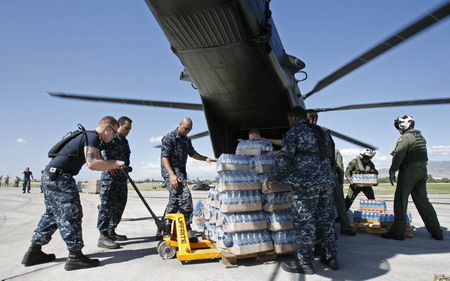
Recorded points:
(392, 177)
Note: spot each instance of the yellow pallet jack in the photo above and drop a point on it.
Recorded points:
(188, 249)
(184, 248)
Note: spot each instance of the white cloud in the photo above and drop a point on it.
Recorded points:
(349, 152)
(154, 139)
(441, 150)
(21, 140)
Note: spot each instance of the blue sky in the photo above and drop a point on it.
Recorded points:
(115, 48)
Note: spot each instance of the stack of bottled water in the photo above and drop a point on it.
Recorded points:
(365, 179)
(198, 214)
(262, 163)
(277, 201)
(367, 216)
(251, 238)
(211, 231)
(227, 177)
(280, 216)
(234, 159)
(213, 197)
(283, 237)
(240, 197)
(372, 204)
(243, 217)
(388, 217)
(253, 147)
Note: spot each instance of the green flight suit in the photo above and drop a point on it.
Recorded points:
(410, 159)
(355, 167)
(339, 192)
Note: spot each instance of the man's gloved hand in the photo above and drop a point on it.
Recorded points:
(392, 177)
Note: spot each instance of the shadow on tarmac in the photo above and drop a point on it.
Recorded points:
(119, 256)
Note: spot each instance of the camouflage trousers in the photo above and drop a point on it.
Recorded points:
(313, 221)
(113, 198)
(180, 200)
(26, 185)
(63, 211)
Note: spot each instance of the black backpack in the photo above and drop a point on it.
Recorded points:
(54, 151)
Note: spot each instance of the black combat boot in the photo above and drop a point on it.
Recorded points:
(76, 260)
(34, 256)
(116, 237)
(296, 266)
(105, 242)
(330, 262)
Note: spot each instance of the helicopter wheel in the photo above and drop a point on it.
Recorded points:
(165, 251)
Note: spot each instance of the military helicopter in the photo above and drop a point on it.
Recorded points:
(233, 56)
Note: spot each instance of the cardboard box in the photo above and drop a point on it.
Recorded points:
(231, 167)
(230, 186)
(246, 226)
(240, 208)
(282, 249)
(278, 226)
(251, 249)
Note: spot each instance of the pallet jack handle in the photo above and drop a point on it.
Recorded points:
(158, 222)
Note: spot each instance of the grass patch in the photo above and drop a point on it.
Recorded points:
(383, 188)
(387, 188)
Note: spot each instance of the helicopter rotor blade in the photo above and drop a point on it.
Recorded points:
(349, 139)
(193, 137)
(180, 105)
(396, 39)
(386, 104)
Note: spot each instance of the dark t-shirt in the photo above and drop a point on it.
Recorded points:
(72, 165)
(27, 175)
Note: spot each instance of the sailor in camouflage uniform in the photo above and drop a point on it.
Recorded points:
(410, 159)
(305, 163)
(175, 148)
(62, 200)
(114, 190)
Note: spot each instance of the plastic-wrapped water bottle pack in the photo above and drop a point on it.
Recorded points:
(243, 217)
(240, 197)
(283, 237)
(280, 216)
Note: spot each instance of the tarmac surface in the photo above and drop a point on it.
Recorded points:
(361, 257)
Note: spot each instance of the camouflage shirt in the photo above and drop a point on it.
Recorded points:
(117, 149)
(298, 163)
(176, 149)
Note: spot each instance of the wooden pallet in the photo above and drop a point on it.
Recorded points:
(230, 260)
(379, 229)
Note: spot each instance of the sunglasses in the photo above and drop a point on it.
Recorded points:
(115, 132)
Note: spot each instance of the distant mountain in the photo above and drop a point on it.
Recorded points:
(438, 169)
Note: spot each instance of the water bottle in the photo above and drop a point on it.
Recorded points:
(227, 240)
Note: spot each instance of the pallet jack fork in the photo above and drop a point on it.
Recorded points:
(184, 248)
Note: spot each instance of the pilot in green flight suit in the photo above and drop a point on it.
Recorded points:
(362, 164)
(410, 159)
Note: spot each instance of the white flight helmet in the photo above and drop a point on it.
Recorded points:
(367, 153)
(404, 122)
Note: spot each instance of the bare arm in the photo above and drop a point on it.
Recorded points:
(203, 158)
(278, 142)
(95, 162)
